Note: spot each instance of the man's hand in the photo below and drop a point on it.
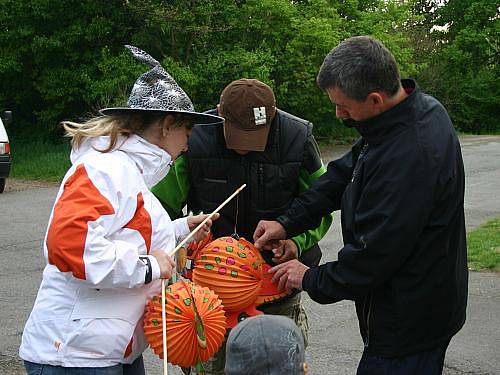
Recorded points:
(194, 221)
(287, 250)
(267, 234)
(289, 275)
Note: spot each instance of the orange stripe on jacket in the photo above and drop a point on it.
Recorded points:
(128, 349)
(79, 203)
(141, 222)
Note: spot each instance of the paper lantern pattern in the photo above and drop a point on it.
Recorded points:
(195, 321)
(185, 256)
(269, 291)
(234, 270)
(194, 247)
(231, 269)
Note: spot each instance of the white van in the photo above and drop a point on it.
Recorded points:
(4, 149)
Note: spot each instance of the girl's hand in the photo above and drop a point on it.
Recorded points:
(166, 263)
(194, 221)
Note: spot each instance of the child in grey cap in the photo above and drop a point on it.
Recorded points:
(266, 345)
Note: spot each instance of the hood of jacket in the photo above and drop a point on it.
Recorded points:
(152, 161)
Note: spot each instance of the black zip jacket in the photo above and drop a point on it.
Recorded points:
(404, 261)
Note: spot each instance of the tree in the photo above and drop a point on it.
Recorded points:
(464, 67)
(62, 60)
(50, 53)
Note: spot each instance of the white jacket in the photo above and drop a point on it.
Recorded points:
(89, 308)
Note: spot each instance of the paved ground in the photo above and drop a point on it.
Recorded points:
(335, 343)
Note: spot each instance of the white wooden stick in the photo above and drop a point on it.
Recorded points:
(188, 237)
(163, 314)
(164, 326)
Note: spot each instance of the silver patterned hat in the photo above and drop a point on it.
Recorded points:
(157, 91)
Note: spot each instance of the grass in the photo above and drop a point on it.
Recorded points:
(39, 161)
(483, 247)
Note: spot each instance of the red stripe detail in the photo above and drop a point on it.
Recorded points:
(128, 350)
(79, 203)
(141, 222)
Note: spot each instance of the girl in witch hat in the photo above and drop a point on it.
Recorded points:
(109, 240)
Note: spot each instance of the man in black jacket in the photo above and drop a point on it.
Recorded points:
(401, 194)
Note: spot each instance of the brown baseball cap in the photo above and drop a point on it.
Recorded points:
(248, 106)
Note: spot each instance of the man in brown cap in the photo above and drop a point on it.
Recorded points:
(271, 151)
(249, 107)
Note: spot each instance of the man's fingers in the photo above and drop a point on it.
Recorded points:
(282, 259)
(261, 241)
(275, 268)
(277, 257)
(278, 251)
(278, 272)
(257, 236)
(290, 285)
(283, 281)
(269, 245)
(266, 232)
(266, 242)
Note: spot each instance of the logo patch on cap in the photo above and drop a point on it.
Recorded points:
(259, 114)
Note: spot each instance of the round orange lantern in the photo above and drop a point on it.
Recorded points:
(234, 270)
(195, 321)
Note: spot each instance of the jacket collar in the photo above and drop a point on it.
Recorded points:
(148, 157)
(392, 121)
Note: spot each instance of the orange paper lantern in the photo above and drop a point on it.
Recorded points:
(232, 269)
(195, 320)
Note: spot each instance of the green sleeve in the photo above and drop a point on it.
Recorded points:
(311, 169)
(172, 191)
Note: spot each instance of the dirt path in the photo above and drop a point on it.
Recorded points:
(16, 184)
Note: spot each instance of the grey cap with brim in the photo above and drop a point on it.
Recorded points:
(265, 345)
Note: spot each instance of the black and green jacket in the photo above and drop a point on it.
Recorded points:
(209, 172)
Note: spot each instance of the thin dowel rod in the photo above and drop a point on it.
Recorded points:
(163, 314)
(188, 237)
(164, 326)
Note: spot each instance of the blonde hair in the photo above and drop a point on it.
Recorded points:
(115, 126)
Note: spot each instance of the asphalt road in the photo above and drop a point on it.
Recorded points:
(335, 344)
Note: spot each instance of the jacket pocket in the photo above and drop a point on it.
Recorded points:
(215, 180)
(124, 304)
(211, 189)
(103, 323)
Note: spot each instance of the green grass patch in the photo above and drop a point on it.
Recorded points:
(483, 247)
(39, 161)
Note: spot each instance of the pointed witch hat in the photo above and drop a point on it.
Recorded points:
(157, 91)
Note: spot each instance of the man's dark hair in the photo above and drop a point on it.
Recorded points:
(358, 66)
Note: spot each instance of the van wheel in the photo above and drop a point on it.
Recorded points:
(2, 185)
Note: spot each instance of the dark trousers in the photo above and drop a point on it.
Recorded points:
(429, 362)
(135, 368)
